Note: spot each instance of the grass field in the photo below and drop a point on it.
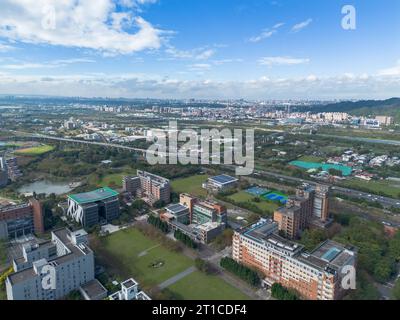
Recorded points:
(111, 180)
(192, 185)
(134, 253)
(311, 159)
(198, 286)
(128, 253)
(35, 151)
(243, 196)
(390, 188)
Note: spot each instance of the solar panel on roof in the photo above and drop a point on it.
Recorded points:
(223, 178)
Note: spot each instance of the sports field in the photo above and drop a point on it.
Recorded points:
(192, 185)
(35, 151)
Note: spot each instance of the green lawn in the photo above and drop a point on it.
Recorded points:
(390, 188)
(134, 252)
(192, 185)
(111, 180)
(129, 253)
(311, 159)
(244, 196)
(35, 151)
(198, 286)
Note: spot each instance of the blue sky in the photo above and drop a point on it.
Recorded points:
(256, 49)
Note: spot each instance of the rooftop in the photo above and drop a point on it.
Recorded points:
(94, 289)
(176, 208)
(223, 179)
(93, 196)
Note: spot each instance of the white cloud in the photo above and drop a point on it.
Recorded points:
(202, 53)
(393, 71)
(200, 67)
(139, 85)
(84, 24)
(280, 61)
(6, 47)
(267, 33)
(301, 25)
(264, 35)
(49, 64)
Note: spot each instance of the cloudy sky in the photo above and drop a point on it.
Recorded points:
(255, 49)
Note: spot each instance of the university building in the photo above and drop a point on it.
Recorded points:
(315, 275)
(93, 207)
(21, 219)
(150, 187)
(67, 252)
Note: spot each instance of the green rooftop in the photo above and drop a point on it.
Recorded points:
(93, 196)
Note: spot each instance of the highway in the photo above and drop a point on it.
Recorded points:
(385, 201)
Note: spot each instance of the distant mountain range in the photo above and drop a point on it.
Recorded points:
(390, 107)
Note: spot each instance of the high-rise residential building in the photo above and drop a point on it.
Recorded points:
(93, 207)
(315, 275)
(321, 203)
(21, 219)
(67, 254)
(148, 186)
(309, 204)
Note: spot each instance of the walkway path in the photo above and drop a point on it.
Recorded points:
(176, 278)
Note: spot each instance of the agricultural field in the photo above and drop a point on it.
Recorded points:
(192, 185)
(35, 151)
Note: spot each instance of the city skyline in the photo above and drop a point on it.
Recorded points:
(202, 49)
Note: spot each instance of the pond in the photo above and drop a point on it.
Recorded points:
(46, 187)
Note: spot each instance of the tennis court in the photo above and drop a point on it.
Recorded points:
(276, 196)
(257, 191)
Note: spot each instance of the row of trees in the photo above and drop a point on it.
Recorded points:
(281, 293)
(185, 239)
(243, 272)
(158, 223)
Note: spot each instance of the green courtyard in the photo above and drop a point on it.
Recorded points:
(129, 253)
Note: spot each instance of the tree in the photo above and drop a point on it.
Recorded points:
(202, 265)
(159, 204)
(280, 292)
(396, 290)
